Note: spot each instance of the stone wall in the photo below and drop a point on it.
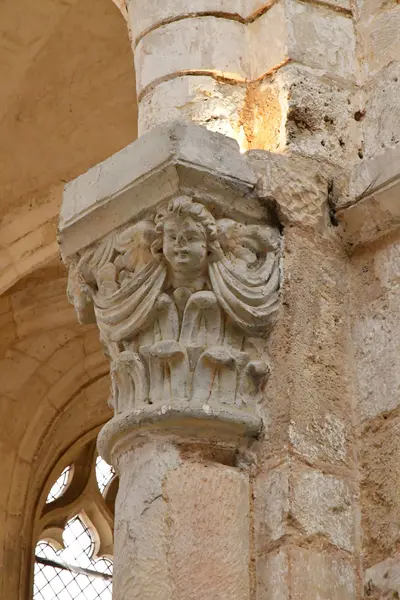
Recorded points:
(374, 273)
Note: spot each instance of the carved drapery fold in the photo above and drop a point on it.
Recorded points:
(177, 298)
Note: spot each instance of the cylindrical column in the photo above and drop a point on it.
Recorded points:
(192, 61)
(182, 521)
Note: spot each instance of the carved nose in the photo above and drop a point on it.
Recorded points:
(180, 242)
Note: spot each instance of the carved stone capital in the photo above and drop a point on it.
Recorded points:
(180, 288)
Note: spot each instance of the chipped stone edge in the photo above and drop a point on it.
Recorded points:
(178, 418)
(180, 158)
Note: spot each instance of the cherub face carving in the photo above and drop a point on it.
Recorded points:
(187, 235)
(185, 245)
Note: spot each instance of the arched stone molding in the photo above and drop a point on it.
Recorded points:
(55, 386)
(69, 102)
(69, 431)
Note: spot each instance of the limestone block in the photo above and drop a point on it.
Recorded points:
(18, 488)
(316, 505)
(15, 370)
(372, 217)
(321, 38)
(380, 460)
(8, 458)
(39, 422)
(198, 44)
(272, 504)
(324, 505)
(308, 400)
(298, 184)
(54, 307)
(376, 335)
(209, 532)
(312, 35)
(202, 100)
(379, 41)
(305, 574)
(268, 41)
(381, 112)
(141, 565)
(318, 116)
(170, 159)
(145, 16)
(273, 580)
(182, 528)
(383, 579)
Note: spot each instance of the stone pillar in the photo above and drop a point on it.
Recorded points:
(176, 257)
(273, 75)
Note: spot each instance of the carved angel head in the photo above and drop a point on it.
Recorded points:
(186, 235)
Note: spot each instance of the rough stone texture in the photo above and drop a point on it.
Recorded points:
(209, 551)
(312, 35)
(299, 186)
(202, 100)
(180, 46)
(371, 218)
(382, 581)
(381, 112)
(305, 574)
(68, 103)
(182, 528)
(380, 499)
(295, 501)
(379, 43)
(308, 400)
(376, 327)
(143, 17)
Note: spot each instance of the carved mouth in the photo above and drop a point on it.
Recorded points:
(182, 256)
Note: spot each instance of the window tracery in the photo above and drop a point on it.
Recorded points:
(73, 555)
(59, 487)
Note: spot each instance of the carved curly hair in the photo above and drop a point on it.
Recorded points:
(185, 207)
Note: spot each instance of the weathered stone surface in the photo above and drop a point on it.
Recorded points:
(318, 115)
(291, 500)
(202, 100)
(180, 46)
(381, 113)
(383, 579)
(209, 532)
(178, 158)
(182, 528)
(305, 574)
(324, 505)
(379, 40)
(299, 186)
(380, 499)
(376, 328)
(308, 400)
(271, 506)
(273, 578)
(371, 218)
(143, 17)
(314, 36)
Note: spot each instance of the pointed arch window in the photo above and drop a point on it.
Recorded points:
(73, 555)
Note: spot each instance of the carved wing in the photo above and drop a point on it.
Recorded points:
(246, 279)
